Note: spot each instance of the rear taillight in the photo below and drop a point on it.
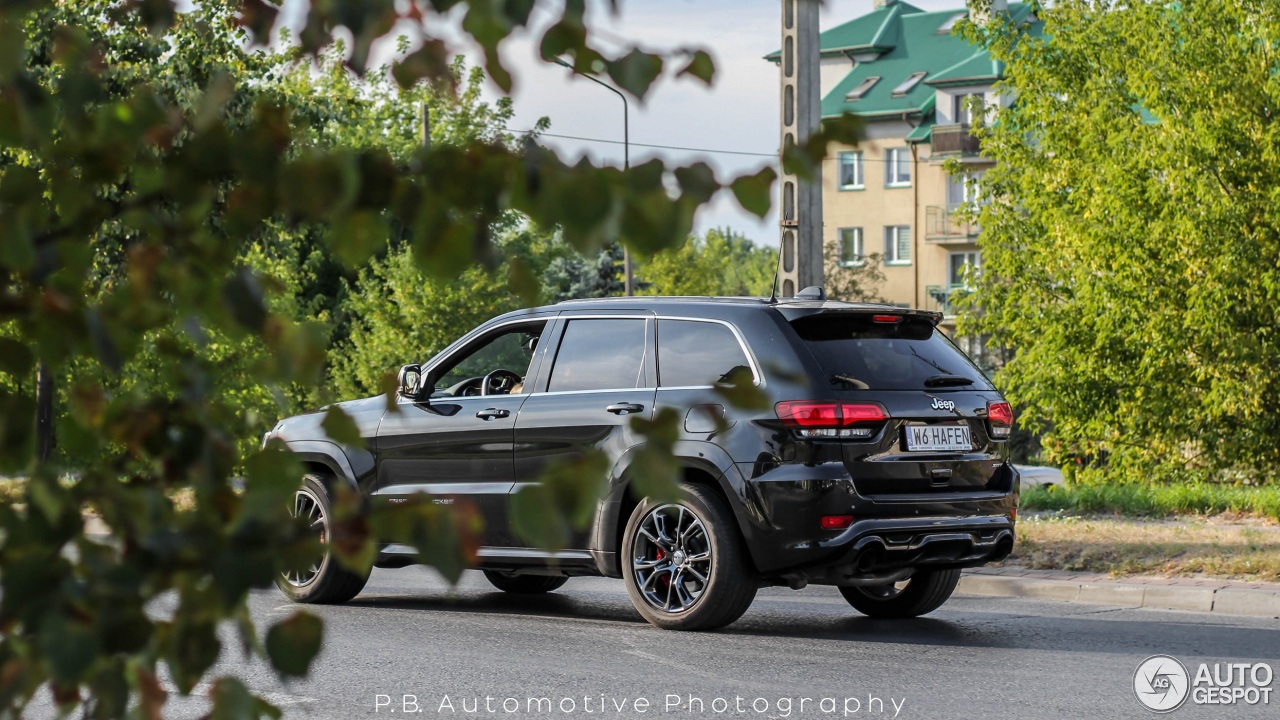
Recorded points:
(999, 420)
(831, 420)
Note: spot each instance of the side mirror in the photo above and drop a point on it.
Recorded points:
(410, 380)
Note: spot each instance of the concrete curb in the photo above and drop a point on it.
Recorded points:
(1227, 601)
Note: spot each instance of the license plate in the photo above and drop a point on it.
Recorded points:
(934, 438)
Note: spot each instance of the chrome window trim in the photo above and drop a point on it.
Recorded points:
(756, 374)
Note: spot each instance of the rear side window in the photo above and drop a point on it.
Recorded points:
(695, 354)
(857, 353)
(599, 355)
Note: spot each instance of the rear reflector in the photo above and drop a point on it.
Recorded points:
(836, 522)
(1000, 417)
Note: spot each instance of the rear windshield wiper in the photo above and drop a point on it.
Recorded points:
(850, 380)
(944, 380)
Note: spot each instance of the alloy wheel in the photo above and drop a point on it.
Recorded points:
(307, 506)
(671, 558)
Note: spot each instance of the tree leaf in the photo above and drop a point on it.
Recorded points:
(635, 72)
(754, 191)
(339, 426)
(292, 644)
(700, 66)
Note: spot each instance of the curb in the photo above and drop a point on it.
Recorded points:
(1225, 601)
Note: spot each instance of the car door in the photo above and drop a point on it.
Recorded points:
(458, 445)
(599, 377)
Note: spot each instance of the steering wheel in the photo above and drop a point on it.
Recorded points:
(499, 382)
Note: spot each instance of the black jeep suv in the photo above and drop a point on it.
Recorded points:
(880, 466)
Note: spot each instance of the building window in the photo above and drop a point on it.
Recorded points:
(962, 189)
(851, 171)
(862, 88)
(897, 245)
(897, 167)
(909, 84)
(959, 265)
(851, 247)
(969, 108)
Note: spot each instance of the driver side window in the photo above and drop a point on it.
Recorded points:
(510, 349)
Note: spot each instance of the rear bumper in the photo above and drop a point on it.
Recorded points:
(879, 545)
(941, 529)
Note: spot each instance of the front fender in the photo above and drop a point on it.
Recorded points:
(332, 456)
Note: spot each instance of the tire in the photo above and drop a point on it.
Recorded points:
(704, 526)
(525, 584)
(327, 582)
(925, 592)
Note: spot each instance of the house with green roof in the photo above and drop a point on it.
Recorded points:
(919, 88)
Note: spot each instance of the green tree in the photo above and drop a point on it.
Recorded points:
(721, 262)
(1131, 246)
(133, 205)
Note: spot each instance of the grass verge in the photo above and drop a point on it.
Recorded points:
(1157, 500)
(1205, 546)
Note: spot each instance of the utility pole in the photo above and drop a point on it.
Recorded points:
(800, 258)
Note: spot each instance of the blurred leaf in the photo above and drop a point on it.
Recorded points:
(339, 426)
(259, 17)
(233, 701)
(700, 66)
(429, 62)
(635, 72)
(740, 391)
(754, 191)
(563, 499)
(294, 642)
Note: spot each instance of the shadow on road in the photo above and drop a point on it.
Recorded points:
(1032, 626)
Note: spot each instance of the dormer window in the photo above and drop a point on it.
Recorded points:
(949, 25)
(909, 84)
(862, 89)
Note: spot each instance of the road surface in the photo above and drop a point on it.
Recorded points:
(476, 652)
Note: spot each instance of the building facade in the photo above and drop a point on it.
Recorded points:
(919, 89)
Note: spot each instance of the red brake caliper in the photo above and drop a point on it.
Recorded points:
(666, 579)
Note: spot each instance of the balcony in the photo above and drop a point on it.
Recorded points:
(946, 225)
(943, 297)
(951, 140)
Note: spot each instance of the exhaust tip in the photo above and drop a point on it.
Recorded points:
(1004, 547)
(870, 556)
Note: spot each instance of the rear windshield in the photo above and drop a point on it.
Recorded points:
(857, 353)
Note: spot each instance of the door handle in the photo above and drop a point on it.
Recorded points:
(491, 413)
(624, 408)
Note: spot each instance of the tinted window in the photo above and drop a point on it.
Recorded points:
(697, 353)
(599, 355)
(857, 353)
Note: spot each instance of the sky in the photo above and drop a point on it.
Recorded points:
(738, 114)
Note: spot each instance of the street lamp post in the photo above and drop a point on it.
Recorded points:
(626, 159)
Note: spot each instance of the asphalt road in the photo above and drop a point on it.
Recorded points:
(409, 634)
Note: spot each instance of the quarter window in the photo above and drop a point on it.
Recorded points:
(599, 355)
(697, 354)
